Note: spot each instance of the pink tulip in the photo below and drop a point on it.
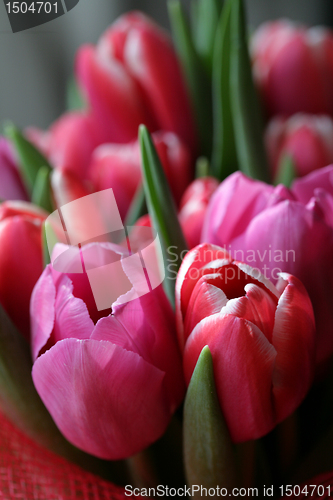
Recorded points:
(21, 261)
(118, 166)
(306, 138)
(110, 381)
(280, 230)
(11, 186)
(293, 66)
(133, 77)
(193, 208)
(261, 338)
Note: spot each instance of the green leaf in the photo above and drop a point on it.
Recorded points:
(246, 111)
(286, 171)
(138, 207)
(208, 451)
(41, 194)
(75, 99)
(205, 15)
(224, 155)
(30, 159)
(198, 82)
(162, 209)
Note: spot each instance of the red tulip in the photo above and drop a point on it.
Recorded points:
(21, 261)
(133, 77)
(293, 66)
(306, 138)
(193, 207)
(261, 338)
(110, 381)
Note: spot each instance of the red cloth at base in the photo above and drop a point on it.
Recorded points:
(29, 472)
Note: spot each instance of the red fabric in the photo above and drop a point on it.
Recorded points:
(29, 472)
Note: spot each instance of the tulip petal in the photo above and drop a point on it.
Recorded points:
(113, 95)
(294, 340)
(72, 318)
(243, 362)
(42, 311)
(305, 187)
(104, 399)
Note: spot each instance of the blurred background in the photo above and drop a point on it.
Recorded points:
(37, 63)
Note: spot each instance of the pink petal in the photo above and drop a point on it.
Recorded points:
(72, 319)
(304, 188)
(105, 400)
(42, 311)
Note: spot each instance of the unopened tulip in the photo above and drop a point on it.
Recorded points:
(110, 381)
(11, 186)
(279, 230)
(193, 207)
(293, 68)
(133, 76)
(307, 139)
(21, 262)
(69, 143)
(261, 338)
(118, 166)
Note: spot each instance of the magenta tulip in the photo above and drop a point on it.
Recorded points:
(261, 338)
(11, 186)
(133, 77)
(307, 139)
(280, 230)
(110, 381)
(293, 66)
(193, 207)
(21, 262)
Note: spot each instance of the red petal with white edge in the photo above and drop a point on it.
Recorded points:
(194, 260)
(113, 95)
(294, 340)
(206, 300)
(243, 361)
(105, 400)
(42, 311)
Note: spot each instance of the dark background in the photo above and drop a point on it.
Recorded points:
(36, 64)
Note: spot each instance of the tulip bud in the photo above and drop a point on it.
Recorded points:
(284, 57)
(306, 139)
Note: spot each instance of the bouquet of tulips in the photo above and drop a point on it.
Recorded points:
(166, 273)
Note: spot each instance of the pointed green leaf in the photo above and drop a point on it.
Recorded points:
(75, 100)
(138, 207)
(224, 155)
(197, 79)
(30, 159)
(41, 194)
(208, 451)
(162, 209)
(286, 171)
(205, 15)
(246, 111)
